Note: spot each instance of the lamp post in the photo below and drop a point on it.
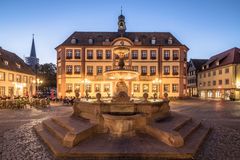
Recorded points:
(37, 82)
(157, 81)
(85, 81)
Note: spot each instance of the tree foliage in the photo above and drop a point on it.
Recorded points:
(47, 73)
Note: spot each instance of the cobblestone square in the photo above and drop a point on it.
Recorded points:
(18, 140)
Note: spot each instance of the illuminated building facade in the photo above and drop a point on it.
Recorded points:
(220, 76)
(159, 57)
(16, 78)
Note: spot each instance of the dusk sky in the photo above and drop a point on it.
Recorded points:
(207, 27)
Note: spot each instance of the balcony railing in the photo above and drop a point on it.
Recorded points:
(69, 57)
(89, 73)
(77, 57)
(166, 58)
(175, 73)
(175, 58)
(69, 72)
(77, 72)
(166, 73)
(143, 74)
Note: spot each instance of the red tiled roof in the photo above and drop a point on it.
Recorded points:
(231, 56)
(99, 37)
(13, 60)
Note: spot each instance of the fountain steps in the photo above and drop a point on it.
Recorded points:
(176, 130)
(194, 141)
(189, 127)
(51, 141)
(139, 146)
(56, 130)
(68, 131)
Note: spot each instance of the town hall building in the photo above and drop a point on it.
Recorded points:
(159, 57)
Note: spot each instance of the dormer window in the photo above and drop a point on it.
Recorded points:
(136, 39)
(153, 41)
(217, 63)
(74, 40)
(6, 63)
(90, 41)
(18, 65)
(170, 40)
(207, 66)
(202, 67)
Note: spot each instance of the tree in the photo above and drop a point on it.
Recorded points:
(47, 73)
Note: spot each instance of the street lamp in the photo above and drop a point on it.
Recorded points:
(85, 81)
(37, 82)
(157, 81)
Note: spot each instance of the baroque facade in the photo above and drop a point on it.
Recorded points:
(16, 77)
(220, 76)
(159, 57)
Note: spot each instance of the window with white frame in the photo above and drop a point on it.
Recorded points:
(69, 54)
(144, 54)
(69, 87)
(166, 87)
(77, 54)
(166, 70)
(69, 69)
(106, 87)
(10, 77)
(134, 54)
(77, 69)
(99, 70)
(2, 76)
(136, 87)
(144, 70)
(166, 54)
(18, 78)
(89, 88)
(89, 54)
(99, 54)
(2, 91)
(153, 54)
(97, 87)
(145, 88)
(152, 70)
(89, 70)
(135, 68)
(108, 54)
(174, 87)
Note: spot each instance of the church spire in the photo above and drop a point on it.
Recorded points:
(33, 51)
(121, 23)
(32, 60)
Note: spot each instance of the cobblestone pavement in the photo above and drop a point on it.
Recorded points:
(18, 140)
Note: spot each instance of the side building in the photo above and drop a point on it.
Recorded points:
(220, 76)
(16, 77)
(159, 57)
(194, 66)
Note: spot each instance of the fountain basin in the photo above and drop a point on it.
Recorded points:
(121, 124)
(123, 74)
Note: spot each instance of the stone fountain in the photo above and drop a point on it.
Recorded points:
(122, 127)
